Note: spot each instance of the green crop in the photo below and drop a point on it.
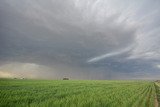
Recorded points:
(76, 93)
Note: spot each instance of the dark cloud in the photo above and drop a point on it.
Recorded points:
(61, 36)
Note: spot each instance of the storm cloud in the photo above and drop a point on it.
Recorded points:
(80, 39)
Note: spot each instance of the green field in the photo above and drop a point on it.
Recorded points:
(76, 93)
(157, 85)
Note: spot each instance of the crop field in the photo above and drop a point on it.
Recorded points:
(76, 93)
(157, 85)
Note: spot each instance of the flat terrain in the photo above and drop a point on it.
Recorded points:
(157, 85)
(76, 93)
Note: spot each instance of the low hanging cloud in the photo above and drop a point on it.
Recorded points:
(64, 38)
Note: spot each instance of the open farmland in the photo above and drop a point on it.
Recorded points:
(157, 85)
(76, 93)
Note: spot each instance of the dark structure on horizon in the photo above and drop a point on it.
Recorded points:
(65, 78)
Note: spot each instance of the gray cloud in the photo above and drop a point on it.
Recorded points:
(61, 36)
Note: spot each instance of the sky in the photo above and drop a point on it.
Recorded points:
(80, 39)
